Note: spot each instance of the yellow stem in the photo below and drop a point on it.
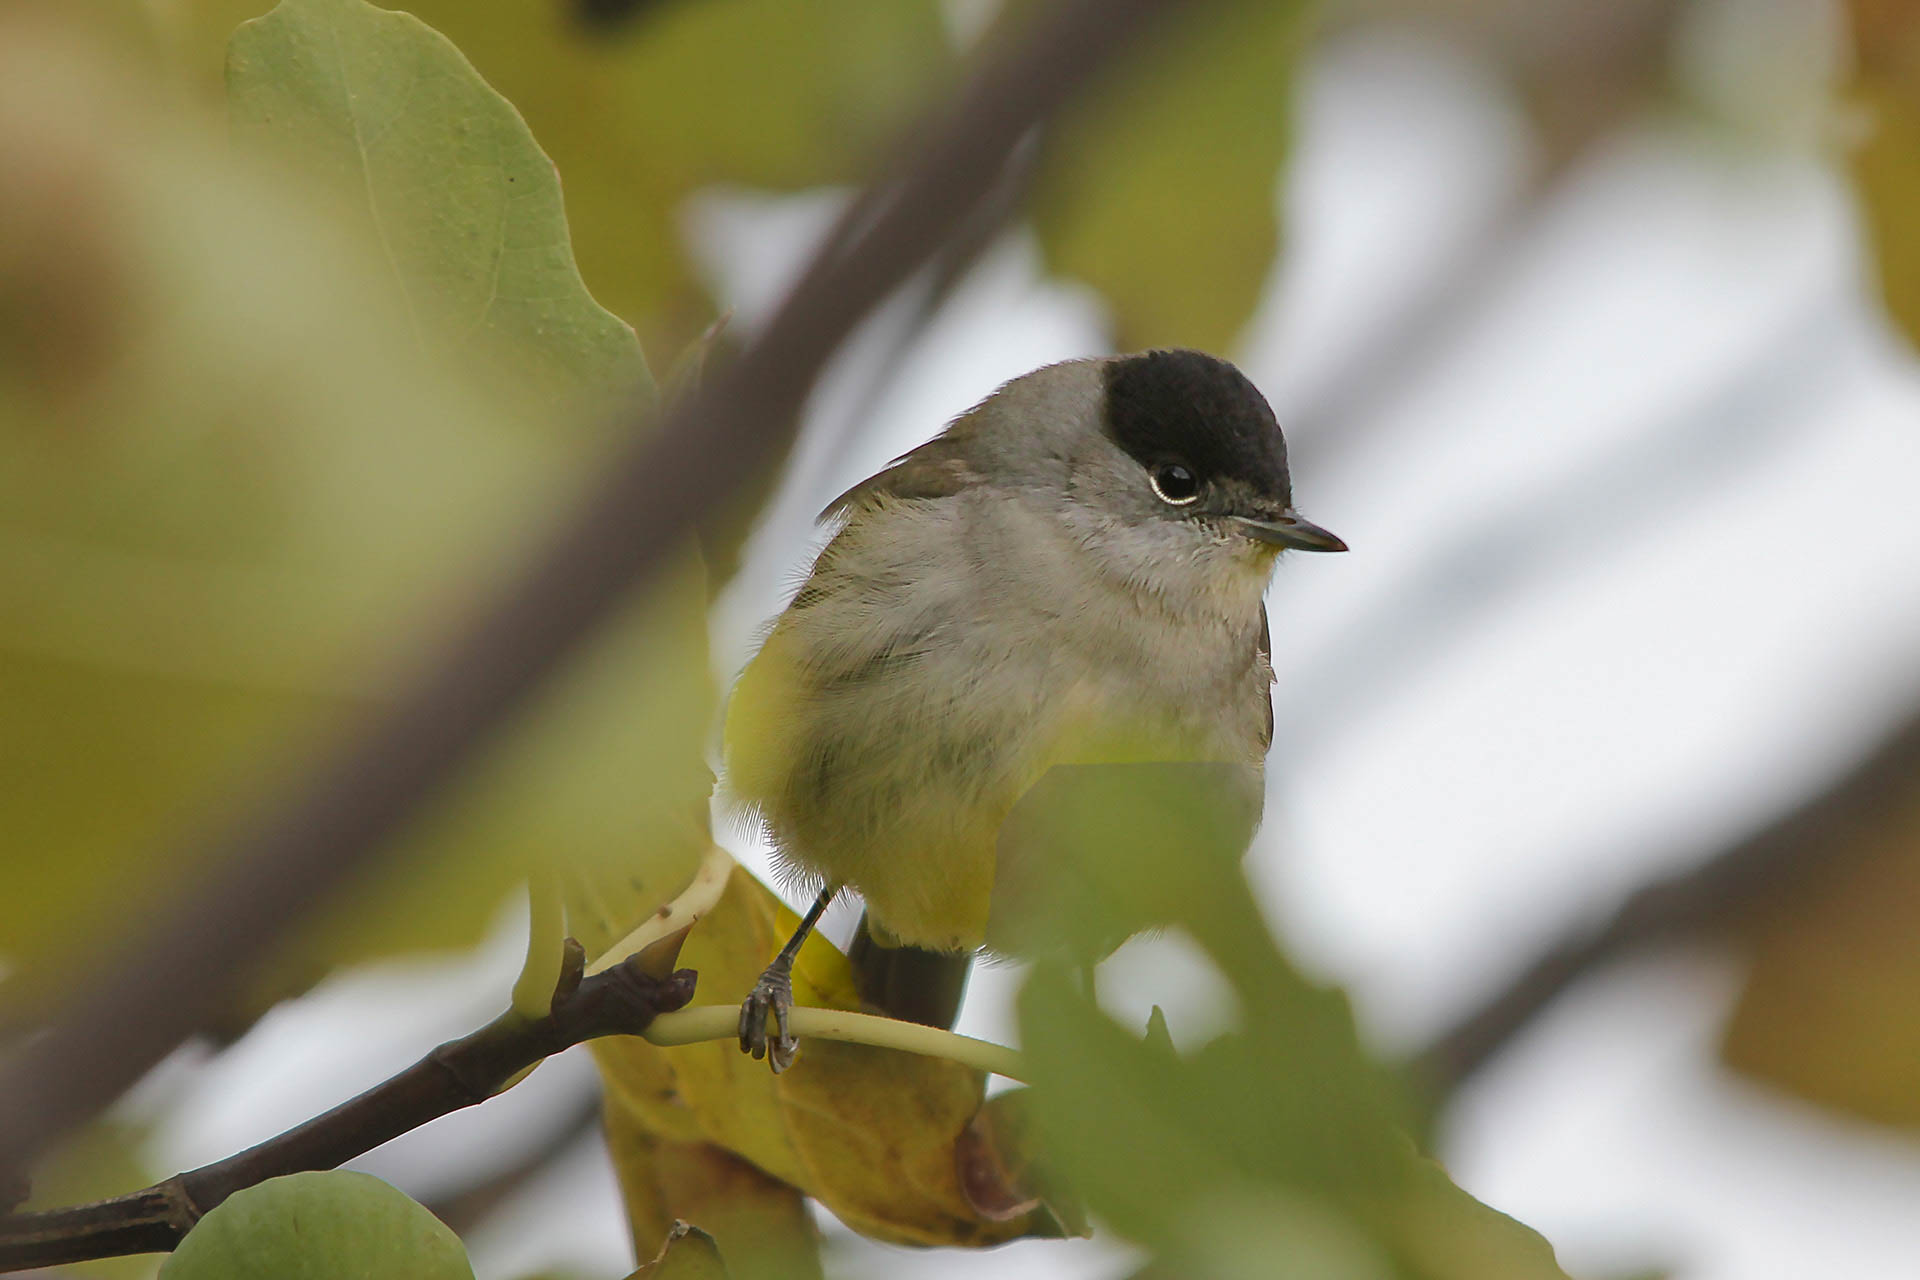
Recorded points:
(722, 1022)
(546, 943)
(708, 883)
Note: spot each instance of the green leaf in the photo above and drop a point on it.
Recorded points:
(1279, 1148)
(443, 175)
(1268, 1233)
(319, 1226)
(237, 489)
(1099, 835)
(781, 95)
(449, 182)
(1160, 190)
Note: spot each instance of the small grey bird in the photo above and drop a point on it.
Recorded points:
(1071, 573)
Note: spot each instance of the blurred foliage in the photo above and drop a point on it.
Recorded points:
(1161, 188)
(774, 94)
(1830, 1010)
(319, 1226)
(1831, 1006)
(449, 182)
(280, 399)
(1276, 1149)
(1886, 161)
(1581, 69)
(1161, 192)
(1279, 1148)
(240, 475)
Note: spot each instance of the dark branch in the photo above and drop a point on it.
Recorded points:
(1795, 849)
(622, 1000)
(268, 872)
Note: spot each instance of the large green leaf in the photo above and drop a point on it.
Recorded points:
(1273, 1146)
(607, 775)
(243, 472)
(319, 1226)
(1279, 1148)
(770, 94)
(1160, 189)
(449, 182)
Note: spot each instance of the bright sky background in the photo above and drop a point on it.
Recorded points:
(1634, 559)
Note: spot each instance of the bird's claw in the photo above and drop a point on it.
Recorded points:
(772, 995)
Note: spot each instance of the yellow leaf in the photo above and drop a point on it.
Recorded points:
(1886, 163)
(689, 1254)
(1886, 168)
(869, 1132)
(1831, 1007)
(759, 1225)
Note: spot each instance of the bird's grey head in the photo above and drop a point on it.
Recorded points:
(1162, 454)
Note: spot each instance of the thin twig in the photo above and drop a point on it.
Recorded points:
(622, 1000)
(272, 870)
(722, 1022)
(1799, 847)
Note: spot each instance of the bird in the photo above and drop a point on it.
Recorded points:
(1072, 573)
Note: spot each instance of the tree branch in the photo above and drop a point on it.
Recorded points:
(269, 871)
(621, 1000)
(1811, 840)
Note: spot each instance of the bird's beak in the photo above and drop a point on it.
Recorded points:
(1289, 531)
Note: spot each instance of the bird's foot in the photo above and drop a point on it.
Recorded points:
(771, 998)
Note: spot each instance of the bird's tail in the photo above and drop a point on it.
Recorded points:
(910, 983)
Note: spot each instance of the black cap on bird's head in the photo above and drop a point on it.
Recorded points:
(1209, 444)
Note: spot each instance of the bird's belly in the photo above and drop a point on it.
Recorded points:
(903, 795)
(905, 807)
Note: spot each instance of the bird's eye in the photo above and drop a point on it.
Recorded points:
(1174, 483)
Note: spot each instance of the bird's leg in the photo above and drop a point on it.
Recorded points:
(773, 996)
